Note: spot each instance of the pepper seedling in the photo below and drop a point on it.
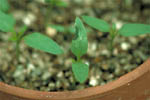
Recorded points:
(7, 23)
(79, 47)
(129, 29)
(17, 37)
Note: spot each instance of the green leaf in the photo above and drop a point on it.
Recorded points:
(4, 6)
(134, 29)
(79, 46)
(42, 42)
(96, 23)
(80, 71)
(7, 22)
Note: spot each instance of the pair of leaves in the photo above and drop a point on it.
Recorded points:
(38, 41)
(7, 22)
(41, 42)
(79, 46)
(126, 30)
(4, 6)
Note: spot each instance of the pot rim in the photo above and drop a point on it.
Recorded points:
(88, 92)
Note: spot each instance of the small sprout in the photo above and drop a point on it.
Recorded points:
(79, 47)
(4, 5)
(126, 30)
(42, 42)
(113, 33)
(7, 23)
(102, 26)
(17, 37)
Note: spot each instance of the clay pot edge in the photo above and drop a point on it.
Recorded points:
(88, 92)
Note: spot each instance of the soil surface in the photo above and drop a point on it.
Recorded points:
(46, 72)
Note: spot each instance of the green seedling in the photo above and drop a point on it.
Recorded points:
(129, 29)
(79, 47)
(7, 23)
(17, 37)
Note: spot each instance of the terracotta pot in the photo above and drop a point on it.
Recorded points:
(132, 86)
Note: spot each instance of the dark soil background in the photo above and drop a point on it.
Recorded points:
(42, 71)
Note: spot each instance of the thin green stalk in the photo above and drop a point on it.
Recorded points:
(18, 47)
(17, 50)
(113, 34)
(111, 44)
(78, 59)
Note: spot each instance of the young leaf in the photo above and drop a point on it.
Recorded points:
(42, 42)
(79, 46)
(80, 71)
(7, 22)
(96, 23)
(4, 6)
(134, 29)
